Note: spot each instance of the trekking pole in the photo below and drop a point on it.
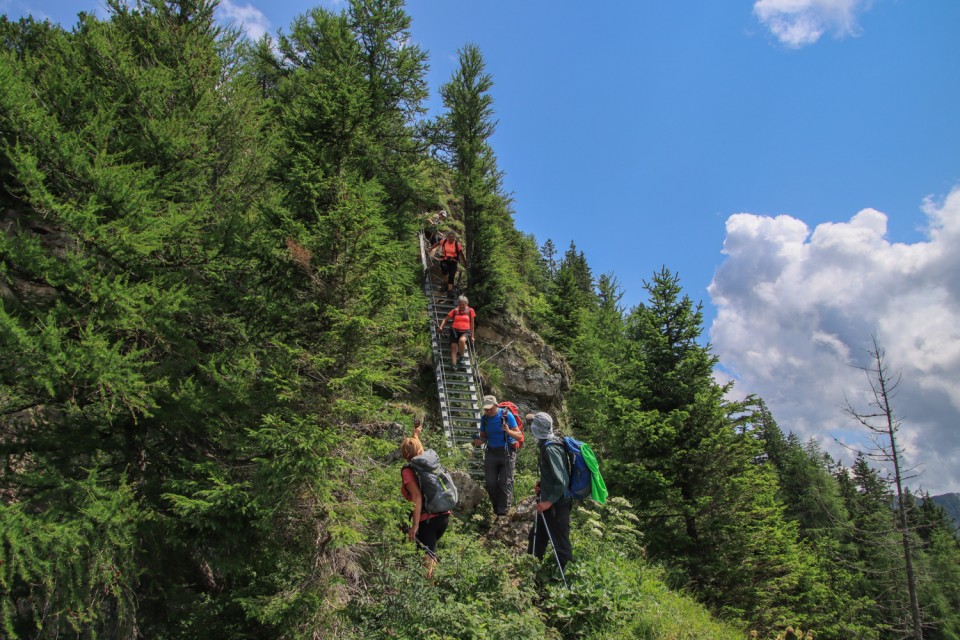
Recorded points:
(555, 554)
(536, 518)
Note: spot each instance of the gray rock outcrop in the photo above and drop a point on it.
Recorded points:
(531, 374)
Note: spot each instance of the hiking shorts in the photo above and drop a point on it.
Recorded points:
(449, 268)
(430, 532)
(455, 335)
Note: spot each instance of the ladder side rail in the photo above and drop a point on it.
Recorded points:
(442, 381)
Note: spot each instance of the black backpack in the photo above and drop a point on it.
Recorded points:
(436, 483)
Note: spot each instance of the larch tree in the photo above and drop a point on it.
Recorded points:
(488, 226)
(394, 68)
(132, 162)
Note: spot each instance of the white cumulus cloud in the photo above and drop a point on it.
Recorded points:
(245, 16)
(796, 311)
(797, 23)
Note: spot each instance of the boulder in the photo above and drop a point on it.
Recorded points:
(513, 529)
(470, 491)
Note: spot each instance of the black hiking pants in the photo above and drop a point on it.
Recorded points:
(557, 519)
(449, 268)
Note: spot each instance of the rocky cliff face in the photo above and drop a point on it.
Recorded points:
(521, 367)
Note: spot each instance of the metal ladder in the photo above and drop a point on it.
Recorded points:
(458, 389)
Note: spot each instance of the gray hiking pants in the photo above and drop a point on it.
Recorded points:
(498, 467)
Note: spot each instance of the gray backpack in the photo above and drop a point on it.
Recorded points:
(436, 484)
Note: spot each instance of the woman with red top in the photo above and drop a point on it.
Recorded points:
(426, 528)
(451, 253)
(463, 321)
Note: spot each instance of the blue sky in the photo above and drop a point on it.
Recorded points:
(795, 161)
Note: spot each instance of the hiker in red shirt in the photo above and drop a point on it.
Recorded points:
(427, 528)
(463, 323)
(451, 252)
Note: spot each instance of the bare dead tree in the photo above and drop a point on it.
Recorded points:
(883, 425)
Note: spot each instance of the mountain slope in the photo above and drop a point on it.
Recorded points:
(950, 502)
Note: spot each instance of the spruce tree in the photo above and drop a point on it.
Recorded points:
(692, 462)
(570, 295)
(548, 254)
(597, 356)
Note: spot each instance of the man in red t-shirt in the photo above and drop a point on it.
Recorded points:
(463, 321)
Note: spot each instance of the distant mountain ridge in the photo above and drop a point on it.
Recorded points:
(950, 502)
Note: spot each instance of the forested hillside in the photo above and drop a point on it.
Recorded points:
(951, 504)
(214, 336)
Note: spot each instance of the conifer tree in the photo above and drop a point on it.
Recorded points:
(395, 71)
(692, 462)
(548, 253)
(807, 486)
(131, 165)
(884, 426)
(570, 295)
(478, 183)
(597, 357)
(335, 216)
(938, 566)
(873, 544)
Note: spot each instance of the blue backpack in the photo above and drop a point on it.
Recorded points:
(584, 470)
(580, 476)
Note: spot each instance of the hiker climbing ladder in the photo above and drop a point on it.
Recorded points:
(458, 389)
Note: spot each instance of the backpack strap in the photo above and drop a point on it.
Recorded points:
(457, 249)
(503, 427)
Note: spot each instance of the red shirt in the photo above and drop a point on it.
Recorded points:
(461, 319)
(409, 475)
(451, 249)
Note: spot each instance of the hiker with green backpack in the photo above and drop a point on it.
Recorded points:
(552, 523)
(430, 488)
(569, 471)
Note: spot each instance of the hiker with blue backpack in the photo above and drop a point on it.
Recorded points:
(501, 433)
(552, 523)
(430, 488)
